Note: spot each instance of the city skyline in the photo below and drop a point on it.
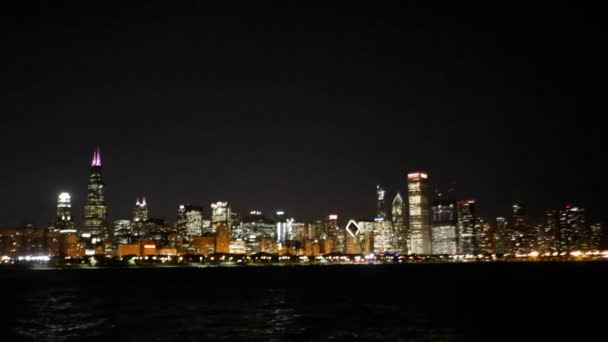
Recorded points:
(439, 224)
(381, 199)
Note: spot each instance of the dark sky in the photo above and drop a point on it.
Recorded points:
(299, 108)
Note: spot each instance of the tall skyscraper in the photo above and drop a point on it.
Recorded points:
(189, 221)
(284, 227)
(95, 210)
(64, 221)
(420, 230)
(484, 235)
(380, 203)
(523, 235)
(572, 229)
(502, 236)
(465, 211)
(398, 217)
(140, 211)
(548, 233)
(220, 215)
(444, 227)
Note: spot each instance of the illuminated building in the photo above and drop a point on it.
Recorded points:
(501, 237)
(95, 210)
(366, 236)
(523, 235)
(220, 215)
(189, 221)
(352, 243)
(465, 215)
(204, 245)
(547, 235)
(73, 246)
(595, 240)
(33, 241)
(140, 211)
(573, 229)
(140, 216)
(64, 221)
(444, 227)
(485, 237)
(252, 229)
(125, 249)
(383, 236)
(284, 227)
(420, 230)
(157, 231)
(123, 231)
(380, 204)
(398, 219)
(300, 231)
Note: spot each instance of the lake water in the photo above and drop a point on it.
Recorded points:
(421, 302)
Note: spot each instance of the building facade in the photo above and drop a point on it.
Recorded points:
(95, 210)
(419, 227)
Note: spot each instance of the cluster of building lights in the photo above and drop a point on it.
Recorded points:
(409, 229)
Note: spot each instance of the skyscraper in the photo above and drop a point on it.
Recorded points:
(502, 236)
(596, 236)
(284, 227)
(398, 218)
(380, 203)
(572, 229)
(220, 215)
(140, 211)
(548, 233)
(420, 230)
(484, 236)
(523, 235)
(64, 221)
(444, 227)
(189, 221)
(95, 210)
(123, 231)
(466, 226)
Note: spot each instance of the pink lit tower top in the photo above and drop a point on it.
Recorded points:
(96, 161)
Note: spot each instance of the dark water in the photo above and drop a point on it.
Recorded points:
(432, 302)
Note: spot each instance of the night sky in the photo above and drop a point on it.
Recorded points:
(299, 108)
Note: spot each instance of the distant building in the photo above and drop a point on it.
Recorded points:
(140, 211)
(254, 228)
(596, 237)
(220, 215)
(548, 232)
(465, 211)
(419, 227)
(383, 236)
(64, 220)
(399, 223)
(502, 236)
(189, 221)
(352, 241)
(284, 227)
(95, 210)
(485, 237)
(380, 204)
(444, 227)
(523, 235)
(123, 231)
(572, 229)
